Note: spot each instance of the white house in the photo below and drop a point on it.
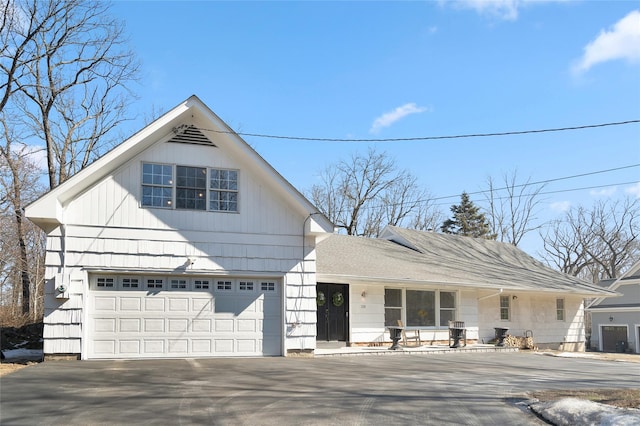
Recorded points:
(180, 242)
(615, 322)
(427, 279)
(183, 242)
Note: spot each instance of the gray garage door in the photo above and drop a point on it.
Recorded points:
(612, 338)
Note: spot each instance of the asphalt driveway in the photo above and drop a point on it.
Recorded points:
(464, 388)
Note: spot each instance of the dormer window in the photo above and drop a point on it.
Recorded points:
(194, 188)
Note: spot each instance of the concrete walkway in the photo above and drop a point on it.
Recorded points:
(325, 349)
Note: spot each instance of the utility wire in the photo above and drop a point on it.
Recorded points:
(522, 185)
(540, 182)
(557, 191)
(425, 138)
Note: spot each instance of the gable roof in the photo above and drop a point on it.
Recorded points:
(189, 122)
(631, 276)
(404, 256)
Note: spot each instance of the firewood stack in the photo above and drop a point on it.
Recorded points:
(519, 342)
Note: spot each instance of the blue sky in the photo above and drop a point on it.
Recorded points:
(361, 70)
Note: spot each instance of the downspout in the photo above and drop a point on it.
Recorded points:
(63, 242)
(490, 295)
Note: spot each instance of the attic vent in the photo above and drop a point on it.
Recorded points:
(190, 134)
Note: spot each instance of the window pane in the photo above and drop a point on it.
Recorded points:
(421, 308)
(446, 316)
(392, 297)
(392, 316)
(447, 299)
(157, 181)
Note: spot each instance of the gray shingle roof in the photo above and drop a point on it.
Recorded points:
(418, 257)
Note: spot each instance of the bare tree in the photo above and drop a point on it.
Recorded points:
(512, 208)
(22, 241)
(366, 193)
(19, 27)
(73, 74)
(597, 243)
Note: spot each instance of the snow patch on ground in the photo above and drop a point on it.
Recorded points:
(573, 411)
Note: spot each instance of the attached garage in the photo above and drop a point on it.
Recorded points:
(177, 317)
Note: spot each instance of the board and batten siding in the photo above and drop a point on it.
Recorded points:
(107, 229)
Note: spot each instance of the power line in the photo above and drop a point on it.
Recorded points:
(558, 191)
(424, 138)
(544, 181)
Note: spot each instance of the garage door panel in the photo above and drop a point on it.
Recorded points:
(178, 325)
(153, 346)
(178, 346)
(154, 325)
(224, 346)
(130, 347)
(201, 326)
(223, 325)
(132, 323)
(104, 347)
(201, 346)
(154, 304)
(246, 325)
(202, 305)
(130, 304)
(246, 345)
(104, 325)
(105, 303)
(178, 305)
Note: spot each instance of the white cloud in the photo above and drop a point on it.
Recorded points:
(388, 118)
(503, 9)
(604, 192)
(622, 41)
(560, 206)
(36, 154)
(507, 10)
(634, 190)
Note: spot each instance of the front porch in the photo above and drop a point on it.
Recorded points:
(340, 349)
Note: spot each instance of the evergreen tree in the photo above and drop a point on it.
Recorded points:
(467, 220)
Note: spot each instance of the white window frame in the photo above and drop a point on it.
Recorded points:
(224, 285)
(228, 190)
(105, 282)
(506, 308)
(170, 204)
(156, 282)
(268, 286)
(246, 286)
(561, 310)
(202, 284)
(126, 283)
(438, 309)
(178, 284)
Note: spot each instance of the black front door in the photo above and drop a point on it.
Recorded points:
(332, 301)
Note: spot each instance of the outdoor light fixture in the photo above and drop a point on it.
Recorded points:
(363, 294)
(610, 319)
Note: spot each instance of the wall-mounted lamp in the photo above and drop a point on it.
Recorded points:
(363, 294)
(515, 297)
(610, 319)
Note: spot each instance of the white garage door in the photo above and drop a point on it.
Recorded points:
(155, 317)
